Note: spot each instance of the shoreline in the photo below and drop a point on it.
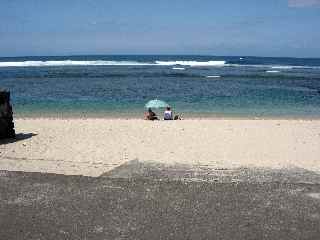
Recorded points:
(115, 117)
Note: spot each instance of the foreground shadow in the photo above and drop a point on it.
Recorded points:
(155, 170)
(19, 137)
(69, 207)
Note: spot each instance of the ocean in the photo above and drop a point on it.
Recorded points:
(195, 86)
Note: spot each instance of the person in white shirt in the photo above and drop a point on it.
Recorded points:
(168, 114)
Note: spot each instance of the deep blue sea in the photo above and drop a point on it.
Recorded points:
(193, 85)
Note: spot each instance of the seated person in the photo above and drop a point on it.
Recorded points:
(177, 117)
(168, 114)
(150, 115)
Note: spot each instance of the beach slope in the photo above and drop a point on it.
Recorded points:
(93, 147)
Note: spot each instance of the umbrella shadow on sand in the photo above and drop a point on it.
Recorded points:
(18, 137)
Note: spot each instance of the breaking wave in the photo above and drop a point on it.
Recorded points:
(72, 63)
(109, 63)
(213, 76)
(177, 65)
(272, 71)
(191, 63)
(275, 67)
(178, 68)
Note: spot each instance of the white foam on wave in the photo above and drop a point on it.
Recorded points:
(178, 68)
(272, 71)
(191, 63)
(72, 63)
(213, 76)
(156, 63)
(108, 63)
(285, 67)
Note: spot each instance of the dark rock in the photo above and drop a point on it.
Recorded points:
(6, 116)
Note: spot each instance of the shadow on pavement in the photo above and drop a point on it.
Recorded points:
(155, 170)
(147, 200)
(142, 201)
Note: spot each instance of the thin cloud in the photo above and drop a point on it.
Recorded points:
(303, 3)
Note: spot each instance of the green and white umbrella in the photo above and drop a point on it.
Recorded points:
(155, 103)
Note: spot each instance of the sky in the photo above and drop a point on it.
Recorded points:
(276, 28)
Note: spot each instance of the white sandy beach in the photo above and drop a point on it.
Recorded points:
(94, 146)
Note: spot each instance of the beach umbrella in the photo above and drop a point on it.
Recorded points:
(156, 104)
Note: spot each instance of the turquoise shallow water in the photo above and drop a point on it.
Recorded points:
(102, 86)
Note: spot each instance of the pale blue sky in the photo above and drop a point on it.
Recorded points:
(206, 27)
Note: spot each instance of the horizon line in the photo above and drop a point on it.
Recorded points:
(169, 55)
